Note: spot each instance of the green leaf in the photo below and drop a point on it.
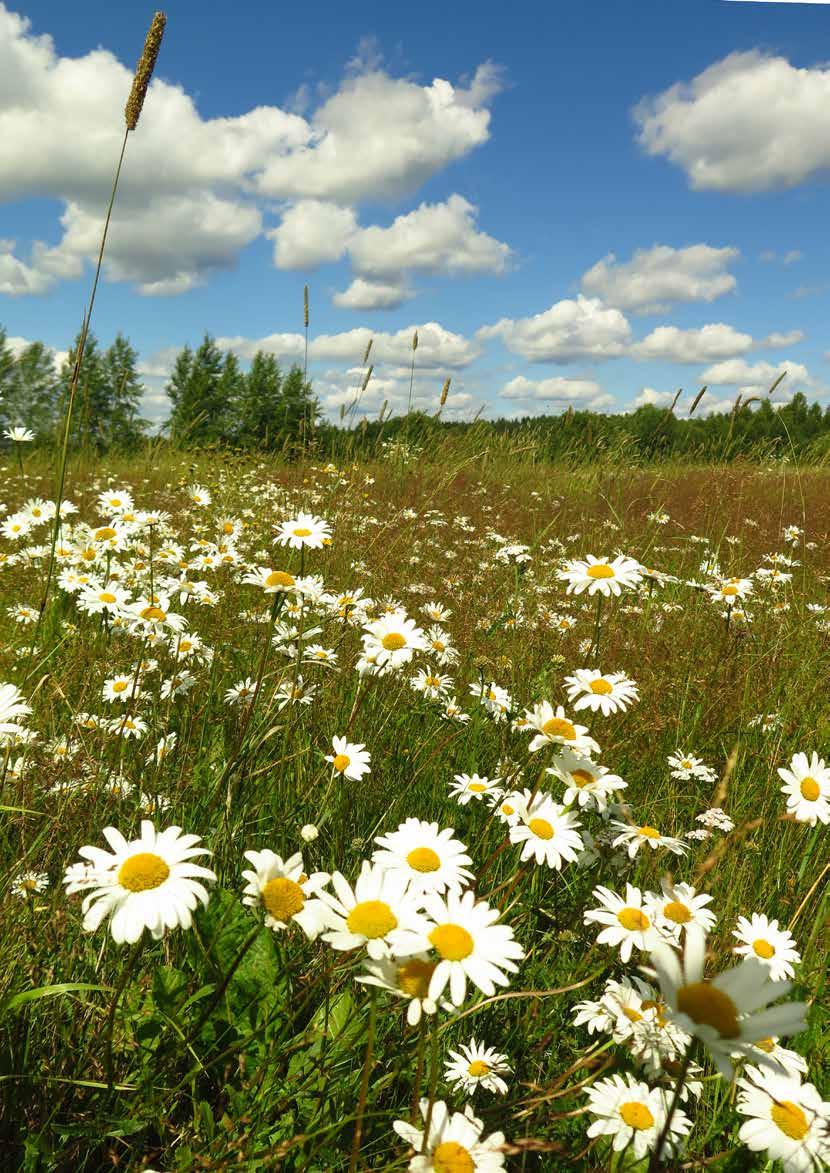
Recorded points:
(18, 1000)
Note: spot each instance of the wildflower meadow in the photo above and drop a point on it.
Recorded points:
(435, 807)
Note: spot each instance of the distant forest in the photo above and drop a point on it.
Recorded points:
(213, 402)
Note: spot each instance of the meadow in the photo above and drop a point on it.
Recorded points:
(477, 750)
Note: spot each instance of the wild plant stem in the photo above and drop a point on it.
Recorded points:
(364, 1083)
(126, 974)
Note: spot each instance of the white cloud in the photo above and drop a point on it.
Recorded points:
(585, 393)
(343, 392)
(751, 122)
(757, 378)
(312, 231)
(671, 344)
(655, 278)
(787, 258)
(191, 187)
(382, 137)
(569, 330)
(776, 339)
(373, 295)
(441, 238)
(648, 397)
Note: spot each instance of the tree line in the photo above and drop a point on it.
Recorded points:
(214, 402)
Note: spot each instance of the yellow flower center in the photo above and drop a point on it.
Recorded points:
(601, 687)
(477, 787)
(120, 686)
(809, 788)
(631, 1014)
(153, 612)
(634, 920)
(283, 898)
(767, 1045)
(106, 597)
(541, 828)
(413, 977)
(302, 532)
(729, 590)
(649, 832)
(227, 528)
(424, 859)
(452, 1157)
(453, 942)
(341, 762)
(104, 534)
(185, 645)
(393, 642)
(763, 948)
(790, 1119)
(432, 682)
(677, 912)
(600, 570)
(582, 778)
(706, 1005)
(143, 871)
(279, 578)
(371, 919)
(636, 1115)
(507, 809)
(438, 645)
(559, 727)
(478, 1068)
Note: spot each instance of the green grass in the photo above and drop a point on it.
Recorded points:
(240, 1049)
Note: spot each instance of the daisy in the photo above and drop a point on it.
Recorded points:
(555, 728)
(771, 1055)
(807, 787)
(470, 786)
(547, 831)
(351, 760)
(405, 978)
(304, 530)
(635, 837)
(788, 1119)
(634, 1115)
(12, 706)
(115, 501)
(431, 683)
(596, 575)
(378, 906)
(120, 688)
(684, 765)
(475, 1066)
(587, 784)
(496, 700)
(149, 882)
(199, 495)
(392, 640)
(610, 692)
(431, 859)
(273, 582)
(729, 1012)
(468, 941)
(241, 693)
(96, 600)
(773, 947)
(19, 435)
(678, 907)
(454, 1143)
(29, 884)
(627, 923)
(283, 889)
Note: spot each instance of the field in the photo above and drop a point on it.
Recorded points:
(203, 647)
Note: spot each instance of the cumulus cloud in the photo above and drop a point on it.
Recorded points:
(776, 339)
(656, 278)
(192, 190)
(373, 295)
(648, 397)
(568, 331)
(584, 393)
(757, 378)
(751, 122)
(671, 344)
(342, 393)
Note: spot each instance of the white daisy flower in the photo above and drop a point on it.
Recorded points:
(12, 707)
(729, 1012)
(392, 640)
(149, 882)
(770, 1054)
(408, 978)
(609, 692)
(597, 575)
(787, 1119)
(304, 530)
(432, 859)
(807, 787)
(634, 1115)
(379, 905)
(467, 787)
(679, 906)
(627, 923)
(586, 783)
(635, 837)
(454, 1143)
(548, 833)
(469, 943)
(556, 728)
(475, 1066)
(350, 760)
(285, 892)
(773, 947)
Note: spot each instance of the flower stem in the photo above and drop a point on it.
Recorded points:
(656, 1159)
(364, 1083)
(119, 990)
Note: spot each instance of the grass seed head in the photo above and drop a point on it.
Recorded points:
(144, 70)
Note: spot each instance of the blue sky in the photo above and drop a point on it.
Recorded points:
(595, 204)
